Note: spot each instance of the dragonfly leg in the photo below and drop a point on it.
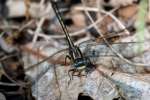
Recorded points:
(79, 73)
(67, 56)
(72, 71)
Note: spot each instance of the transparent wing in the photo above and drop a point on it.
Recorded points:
(97, 51)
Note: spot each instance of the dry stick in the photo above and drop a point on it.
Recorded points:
(37, 32)
(9, 27)
(106, 13)
(14, 82)
(119, 55)
(127, 80)
(123, 29)
(8, 84)
(1, 35)
(42, 56)
(38, 29)
(117, 21)
(37, 72)
(27, 4)
(82, 30)
(57, 82)
(89, 15)
(44, 60)
(5, 57)
(100, 85)
(84, 39)
(42, 3)
(107, 43)
(17, 26)
(46, 37)
(87, 8)
(26, 25)
(39, 25)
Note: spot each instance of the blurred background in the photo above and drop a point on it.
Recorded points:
(113, 34)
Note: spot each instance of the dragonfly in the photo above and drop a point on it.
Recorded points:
(79, 62)
(82, 60)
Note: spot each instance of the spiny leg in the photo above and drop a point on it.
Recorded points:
(80, 75)
(71, 76)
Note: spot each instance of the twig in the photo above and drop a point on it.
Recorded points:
(38, 29)
(84, 29)
(2, 34)
(9, 27)
(46, 37)
(39, 25)
(107, 43)
(50, 58)
(82, 40)
(26, 25)
(124, 80)
(107, 13)
(118, 22)
(57, 82)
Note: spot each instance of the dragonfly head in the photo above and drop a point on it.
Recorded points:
(79, 64)
(84, 64)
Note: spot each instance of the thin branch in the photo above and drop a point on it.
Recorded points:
(82, 31)
(107, 43)
(45, 58)
(45, 37)
(57, 82)
(107, 13)
(124, 80)
(38, 29)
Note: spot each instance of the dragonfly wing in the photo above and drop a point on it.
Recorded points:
(95, 50)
